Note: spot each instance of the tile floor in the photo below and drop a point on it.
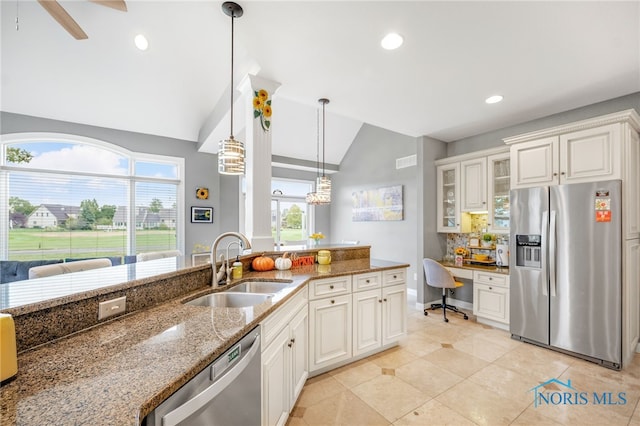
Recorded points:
(465, 373)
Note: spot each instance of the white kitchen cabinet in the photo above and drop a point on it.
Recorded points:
(394, 313)
(473, 179)
(587, 155)
(491, 298)
(498, 178)
(285, 360)
(330, 331)
(330, 321)
(380, 314)
(367, 321)
(448, 196)
(631, 185)
(473, 184)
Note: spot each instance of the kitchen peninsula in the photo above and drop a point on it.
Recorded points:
(120, 370)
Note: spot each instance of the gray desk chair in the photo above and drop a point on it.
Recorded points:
(440, 277)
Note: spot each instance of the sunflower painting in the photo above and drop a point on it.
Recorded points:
(262, 108)
(202, 193)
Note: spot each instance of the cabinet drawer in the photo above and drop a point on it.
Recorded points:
(367, 281)
(491, 302)
(275, 322)
(334, 286)
(491, 279)
(394, 276)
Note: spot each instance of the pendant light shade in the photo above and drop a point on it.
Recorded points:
(231, 151)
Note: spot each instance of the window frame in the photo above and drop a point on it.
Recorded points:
(130, 178)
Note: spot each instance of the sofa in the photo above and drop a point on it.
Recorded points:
(17, 270)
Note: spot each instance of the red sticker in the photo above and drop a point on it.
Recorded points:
(603, 216)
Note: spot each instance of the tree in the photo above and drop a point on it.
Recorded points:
(18, 205)
(107, 212)
(89, 212)
(294, 217)
(155, 205)
(18, 155)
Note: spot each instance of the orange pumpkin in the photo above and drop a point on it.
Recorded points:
(263, 263)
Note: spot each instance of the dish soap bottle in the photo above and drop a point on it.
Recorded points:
(237, 269)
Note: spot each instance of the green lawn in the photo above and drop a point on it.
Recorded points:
(31, 244)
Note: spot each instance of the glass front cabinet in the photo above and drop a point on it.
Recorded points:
(448, 211)
(499, 181)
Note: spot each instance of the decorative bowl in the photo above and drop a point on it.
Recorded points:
(481, 257)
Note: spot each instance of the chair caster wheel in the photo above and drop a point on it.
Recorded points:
(446, 320)
(466, 317)
(426, 313)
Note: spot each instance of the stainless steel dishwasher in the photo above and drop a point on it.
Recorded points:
(226, 393)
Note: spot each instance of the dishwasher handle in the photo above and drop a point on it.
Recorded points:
(190, 407)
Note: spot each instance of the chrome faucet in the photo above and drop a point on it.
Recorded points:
(217, 276)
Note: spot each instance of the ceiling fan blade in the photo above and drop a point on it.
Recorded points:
(113, 4)
(59, 14)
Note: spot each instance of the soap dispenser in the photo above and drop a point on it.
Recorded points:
(237, 268)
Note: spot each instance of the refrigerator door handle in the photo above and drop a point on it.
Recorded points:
(545, 231)
(552, 253)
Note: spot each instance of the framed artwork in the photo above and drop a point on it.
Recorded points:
(377, 204)
(202, 214)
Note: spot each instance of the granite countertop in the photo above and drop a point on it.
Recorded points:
(118, 372)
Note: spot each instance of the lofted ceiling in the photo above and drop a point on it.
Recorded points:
(543, 57)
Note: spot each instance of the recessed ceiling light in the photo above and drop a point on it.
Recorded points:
(141, 42)
(493, 99)
(391, 41)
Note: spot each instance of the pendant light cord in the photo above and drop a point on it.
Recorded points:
(323, 120)
(232, 21)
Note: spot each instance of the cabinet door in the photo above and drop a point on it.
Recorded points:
(535, 163)
(473, 181)
(498, 186)
(394, 313)
(276, 380)
(491, 302)
(448, 193)
(591, 155)
(367, 321)
(299, 354)
(330, 324)
(631, 186)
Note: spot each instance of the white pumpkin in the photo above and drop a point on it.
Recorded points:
(283, 263)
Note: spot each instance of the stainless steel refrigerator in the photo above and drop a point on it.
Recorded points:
(566, 280)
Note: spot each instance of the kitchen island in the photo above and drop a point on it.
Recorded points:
(118, 371)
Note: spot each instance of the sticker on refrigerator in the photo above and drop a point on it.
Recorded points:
(603, 208)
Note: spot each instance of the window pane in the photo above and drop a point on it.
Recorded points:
(290, 188)
(155, 216)
(159, 170)
(67, 156)
(57, 216)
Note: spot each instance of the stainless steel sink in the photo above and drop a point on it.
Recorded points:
(230, 299)
(259, 287)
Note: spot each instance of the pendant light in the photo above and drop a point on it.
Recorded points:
(323, 184)
(231, 151)
(319, 197)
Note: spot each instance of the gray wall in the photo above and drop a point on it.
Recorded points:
(200, 169)
(494, 139)
(368, 164)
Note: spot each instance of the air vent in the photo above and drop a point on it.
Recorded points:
(405, 162)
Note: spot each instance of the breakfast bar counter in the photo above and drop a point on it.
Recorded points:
(117, 372)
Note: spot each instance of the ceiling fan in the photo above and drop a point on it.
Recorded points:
(68, 23)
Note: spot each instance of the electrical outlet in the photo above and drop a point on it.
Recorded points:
(112, 307)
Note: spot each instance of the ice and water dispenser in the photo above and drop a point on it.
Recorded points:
(529, 251)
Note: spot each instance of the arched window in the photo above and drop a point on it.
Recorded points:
(66, 196)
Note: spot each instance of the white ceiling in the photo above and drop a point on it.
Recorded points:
(543, 57)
